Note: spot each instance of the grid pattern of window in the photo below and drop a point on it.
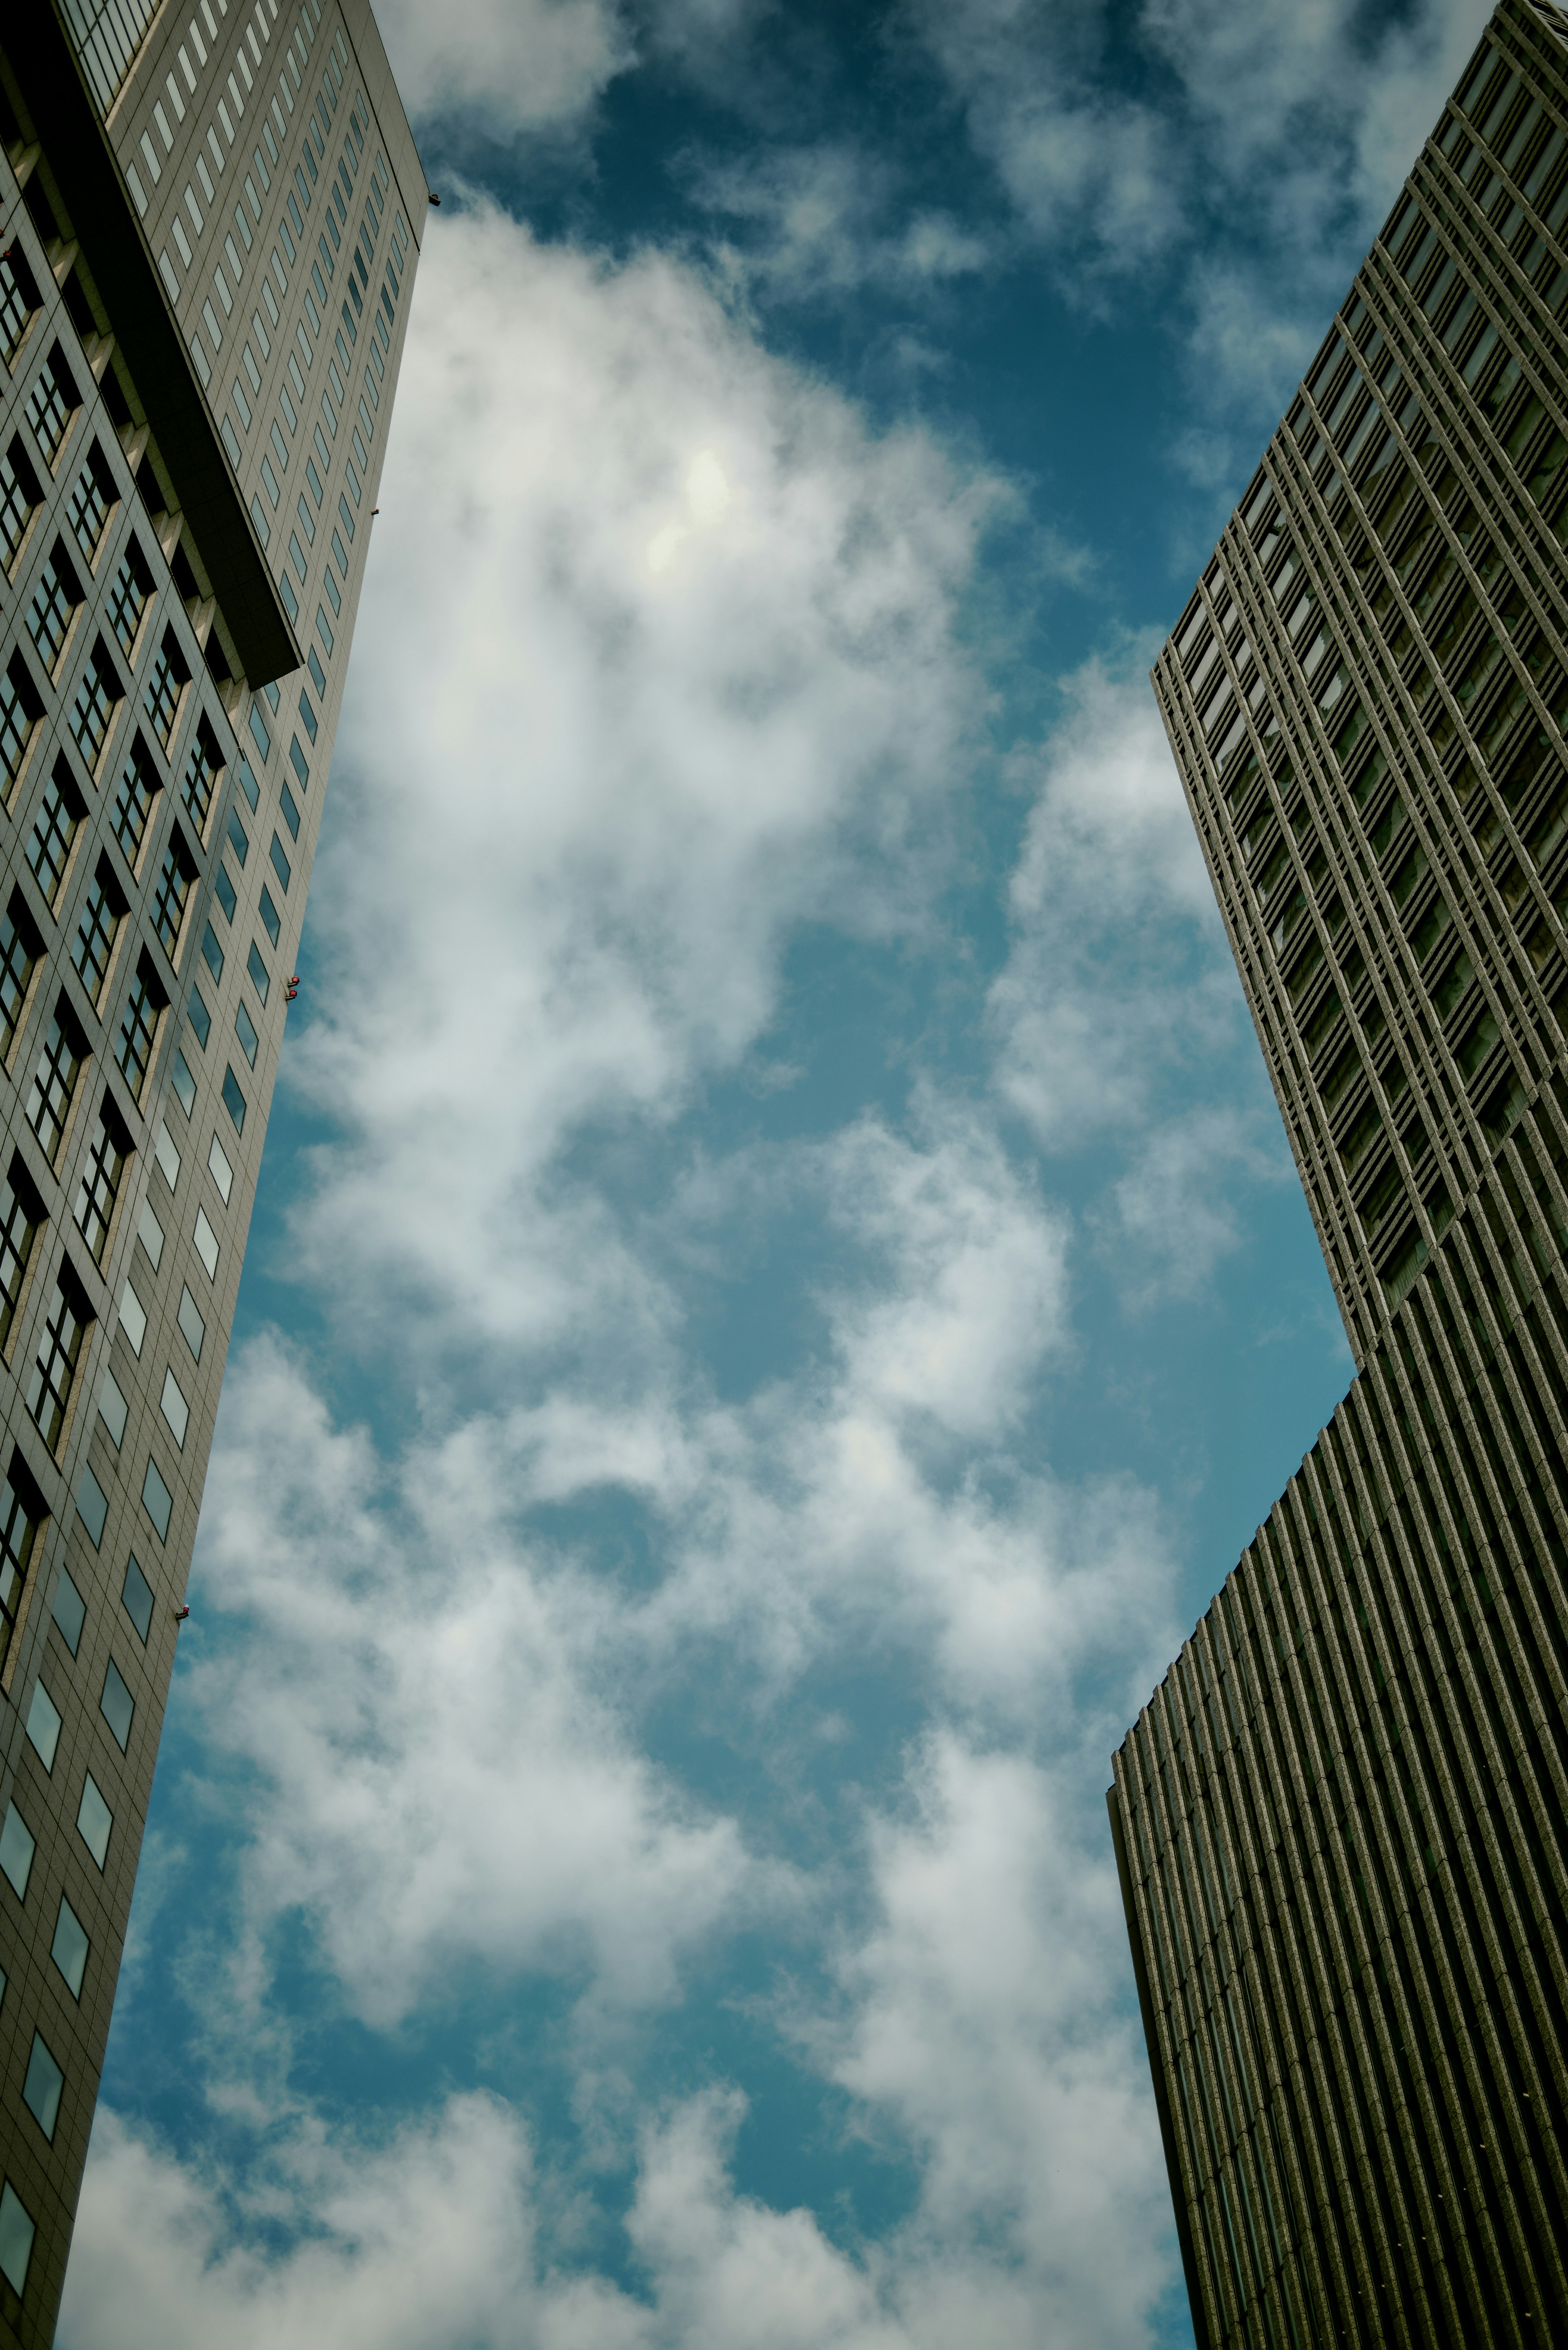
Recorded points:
(16, 309)
(92, 712)
(89, 504)
(128, 601)
(16, 503)
(201, 775)
(162, 700)
(18, 1231)
(133, 804)
(1341, 1822)
(17, 1533)
(16, 723)
(137, 1027)
(16, 970)
(101, 1172)
(55, 1366)
(93, 941)
(54, 1083)
(169, 901)
(50, 410)
(49, 613)
(49, 842)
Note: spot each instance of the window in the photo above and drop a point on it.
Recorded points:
(150, 1232)
(314, 478)
(117, 1705)
(61, 811)
(260, 979)
(132, 1318)
(218, 1166)
(101, 1172)
(69, 1948)
(20, 710)
(41, 2089)
(306, 520)
(128, 597)
(259, 735)
(156, 1498)
(198, 1016)
(280, 864)
(193, 1328)
(69, 1610)
(305, 712)
(92, 712)
(52, 404)
(91, 503)
(44, 1726)
(18, 1847)
(227, 898)
(19, 1221)
(245, 1030)
(296, 760)
(54, 602)
(234, 1100)
(19, 953)
(345, 516)
(206, 1240)
(166, 683)
(211, 954)
(203, 769)
(183, 1083)
(54, 1083)
(19, 500)
(290, 810)
(281, 447)
(174, 876)
(134, 802)
(248, 782)
(136, 1597)
(96, 932)
(112, 1407)
(18, 306)
(55, 1364)
(137, 1028)
(269, 482)
(16, 2239)
(269, 915)
(318, 674)
(175, 1408)
(341, 559)
(94, 1821)
(333, 596)
(239, 838)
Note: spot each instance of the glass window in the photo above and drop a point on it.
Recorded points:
(54, 1083)
(16, 1850)
(224, 890)
(69, 1610)
(48, 849)
(101, 1172)
(260, 977)
(94, 1820)
(92, 710)
(263, 740)
(43, 1725)
(134, 802)
(92, 1505)
(192, 1328)
(280, 864)
(156, 1498)
(239, 838)
(69, 1948)
(211, 953)
(54, 1366)
(136, 1597)
(201, 1019)
(183, 1083)
(112, 1407)
(18, 1228)
(218, 1166)
(206, 1240)
(41, 2089)
(174, 1408)
(138, 1029)
(234, 1100)
(269, 915)
(117, 1705)
(96, 932)
(16, 2239)
(133, 1317)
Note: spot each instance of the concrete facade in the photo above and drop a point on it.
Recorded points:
(209, 222)
(1342, 1821)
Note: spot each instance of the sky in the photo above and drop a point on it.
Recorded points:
(778, 1290)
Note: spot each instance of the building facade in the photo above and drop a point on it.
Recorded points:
(210, 216)
(1342, 1821)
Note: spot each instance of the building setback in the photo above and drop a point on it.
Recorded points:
(1342, 1820)
(209, 221)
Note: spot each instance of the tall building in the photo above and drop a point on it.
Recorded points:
(1342, 1820)
(210, 213)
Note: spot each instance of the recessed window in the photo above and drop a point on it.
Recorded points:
(269, 915)
(20, 1216)
(191, 1327)
(156, 1498)
(60, 813)
(318, 675)
(94, 1820)
(69, 1948)
(234, 1100)
(223, 889)
(117, 1706)
(133, 802)
(245, 1030)
(280, 864)
(16, 1850)
(99, 1188)
(44, 1726)
(136, 1598)
(16, 2239)
(174, 1408)
(53, 1369)
(198, 1016)
(69, 1610)
(54, 1083)
(41, 2089)
(211, 953)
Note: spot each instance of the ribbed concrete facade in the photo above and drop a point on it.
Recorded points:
(1342, 1822)
(209, 223)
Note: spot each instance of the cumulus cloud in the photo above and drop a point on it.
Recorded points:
(511, 66)
(691, 675)
(834, 217)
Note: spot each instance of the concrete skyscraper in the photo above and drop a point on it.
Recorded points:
(1342, 1821)
(209, 215)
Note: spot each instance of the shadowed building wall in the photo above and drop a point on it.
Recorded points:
(208, 218)
(1342, 1821)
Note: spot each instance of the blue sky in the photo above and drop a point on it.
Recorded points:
(778, 1290)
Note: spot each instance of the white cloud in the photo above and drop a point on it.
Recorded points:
(832, 218)
(690, 675)
(510, 66)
